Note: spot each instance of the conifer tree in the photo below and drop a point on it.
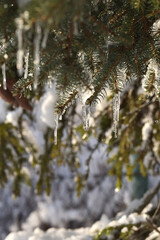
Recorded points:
(86, 48)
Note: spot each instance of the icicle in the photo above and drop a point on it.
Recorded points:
(49, 84)
(60, 117)
(30, 87)
(45, 38)
(50, 80)
(37, 54)
(116, 107)
(107, 46)
(55, 128)
(26, 65)
(63, 112)
(86, 116)
(20, 52)
(4, 76)
(75, 28)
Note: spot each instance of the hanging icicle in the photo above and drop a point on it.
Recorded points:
(60, 117)
(75, 28)
(107, 36)
(26, 59)
(50, 81)
(116, 108)
(4, 76)
(86, 112)
(20, 52)
(55, 128)
(37, 40)
(86, 108)
(45, 38)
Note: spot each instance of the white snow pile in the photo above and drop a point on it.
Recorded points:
(77, 234)
(154, 235)
(52, 234)
(133, 218)
(148, 125)
(61, 233)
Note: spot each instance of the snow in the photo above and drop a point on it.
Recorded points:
(156, 26)
(147, 159)
(78, 234)
(45, 109)
(13, 116)
(34, 137)
(133, 218)
(53, 214)
(147, 128)
(154, 235)
(100, 225)
(52, 234)
(153, 68)
(63, 209)
(148, 125)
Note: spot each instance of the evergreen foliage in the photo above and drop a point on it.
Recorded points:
(89, 46)
(84, 46)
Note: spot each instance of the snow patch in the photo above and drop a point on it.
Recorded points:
(13, 116)
(48, 102)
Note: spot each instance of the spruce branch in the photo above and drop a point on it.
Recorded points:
(62, 108)
(89, 35)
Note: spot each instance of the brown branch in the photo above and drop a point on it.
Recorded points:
(152, 225)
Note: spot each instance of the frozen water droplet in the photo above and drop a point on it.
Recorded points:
(26, 64)
(55, 128)
(37, 40)
(4, 76)
(60, 117)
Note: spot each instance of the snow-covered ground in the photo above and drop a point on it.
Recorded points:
(81, 233)
(62, 209)
(76, 234)
(52, 234)
(62, 215)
